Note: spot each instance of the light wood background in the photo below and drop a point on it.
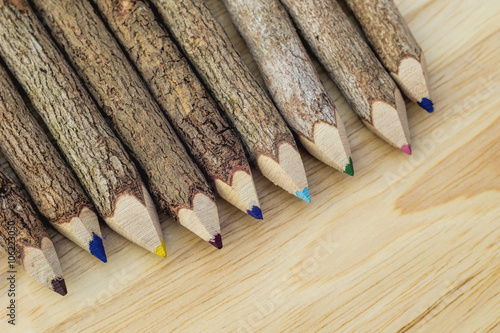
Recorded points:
(410, 244)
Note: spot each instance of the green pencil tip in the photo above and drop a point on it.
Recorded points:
(349, 168)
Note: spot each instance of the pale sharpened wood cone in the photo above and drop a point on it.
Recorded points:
(251, 111)
(23, 236)
(89, 145)
(199, 219)
(173, 177)
(351, 64)
(211, 140)
(397, 48)
(292, 79)
(51, 184)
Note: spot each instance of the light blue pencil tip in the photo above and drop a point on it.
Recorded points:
(304, 194)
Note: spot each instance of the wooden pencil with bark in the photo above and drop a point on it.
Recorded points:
(49, 181)
(397, 48)
(24, 238)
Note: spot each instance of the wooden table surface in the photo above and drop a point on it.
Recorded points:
(410, 244)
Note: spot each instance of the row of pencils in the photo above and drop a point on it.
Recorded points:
(158, 84)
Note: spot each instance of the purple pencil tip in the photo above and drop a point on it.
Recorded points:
(59, 286)
(217, 241)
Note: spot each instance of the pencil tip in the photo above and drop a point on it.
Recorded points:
(216, 241)
(426, 104)
(304, 194)
(349, 169)
(96, 248)
(288, 172)
(406, 149)
(59, 286)
(240, 192)
(255, 212)
(161, 250)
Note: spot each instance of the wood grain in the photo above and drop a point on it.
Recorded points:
(210, 138)
(89, 145)
(350, 62)
(173, 177)
(51, 184)
(268, 140)
(292, 79)
(408, 244)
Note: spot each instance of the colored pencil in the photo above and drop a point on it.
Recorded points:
(175, 181)
(211, 140)
(351, 64)
(397, 48)
(89, 145)
(268, 140)
(50, 183)
(292, 79)
(24, 238)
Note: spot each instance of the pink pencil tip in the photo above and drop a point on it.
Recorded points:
(406, 149)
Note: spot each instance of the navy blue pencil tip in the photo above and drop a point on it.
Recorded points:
(426, 104)
(256, 213)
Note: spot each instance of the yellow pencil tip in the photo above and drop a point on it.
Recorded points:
(161, 250)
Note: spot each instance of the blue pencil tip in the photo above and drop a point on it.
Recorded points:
(426, 104)
(97, 248)
(256, 213)
(304, 195)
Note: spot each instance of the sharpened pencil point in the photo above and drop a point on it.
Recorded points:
(59, 286)
(256, 213)
(304, 195)
(426, 104)
(161, 250)
(216, 241)
(96, 248)
(349, 169)
(406, 149)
